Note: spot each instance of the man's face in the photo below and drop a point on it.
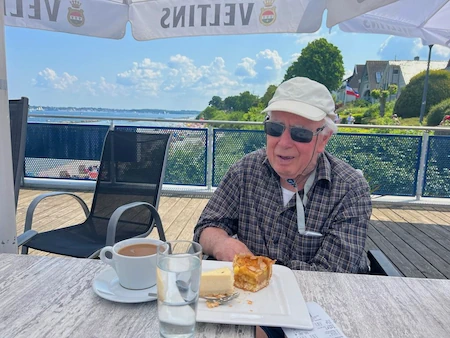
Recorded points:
(288, 157)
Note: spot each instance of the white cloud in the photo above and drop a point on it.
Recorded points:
(417, 46)
(271, 59)
(246, 68)
(437, 50)
(442, 50)
(216, 80)
(145, 77)
(265, 68)
(109, 88)
(178, 79)
(48, 78)
(385, 44)
(179, 75)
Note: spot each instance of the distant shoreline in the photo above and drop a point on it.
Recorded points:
(44, 109)
(104, 117)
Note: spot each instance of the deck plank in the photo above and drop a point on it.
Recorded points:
(438, 216)
(439, 233)
(400, 261)
(416, 239)
(430, 255)
(182, 220)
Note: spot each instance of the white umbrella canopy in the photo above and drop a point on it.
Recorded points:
(151, 19)
(425, 19)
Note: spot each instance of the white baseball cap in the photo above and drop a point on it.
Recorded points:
(304, 97)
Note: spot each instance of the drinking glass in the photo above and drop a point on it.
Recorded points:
(179, 267)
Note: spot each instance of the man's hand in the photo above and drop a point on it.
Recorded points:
(217, 242)
(225, 250)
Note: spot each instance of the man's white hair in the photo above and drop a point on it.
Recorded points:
(329, 125)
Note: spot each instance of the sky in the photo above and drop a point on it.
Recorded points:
(65, 70)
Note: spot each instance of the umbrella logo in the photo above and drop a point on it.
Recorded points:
(268, 14)
(75, 16)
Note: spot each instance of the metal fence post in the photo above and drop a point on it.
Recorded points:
(209, 157)
(422, 164)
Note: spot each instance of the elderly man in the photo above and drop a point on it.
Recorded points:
(293, 201)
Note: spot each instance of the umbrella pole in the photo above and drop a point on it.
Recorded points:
(425, 87)
(8, 243)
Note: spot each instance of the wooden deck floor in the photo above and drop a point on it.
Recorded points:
(416, 239)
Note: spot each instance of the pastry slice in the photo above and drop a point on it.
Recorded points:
(252, 273)
(216, 282)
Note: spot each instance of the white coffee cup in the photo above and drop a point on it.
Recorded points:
(135, 270)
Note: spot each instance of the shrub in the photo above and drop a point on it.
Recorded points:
(410, 100)
(437, 112)
(360, 103)
(372, 111)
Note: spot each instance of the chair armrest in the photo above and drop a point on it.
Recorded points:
(381, 265)
(25, 237)
(112, 224)
(38, 199)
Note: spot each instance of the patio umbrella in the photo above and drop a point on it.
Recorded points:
(151, 19)
(428, 20)
(408, 18)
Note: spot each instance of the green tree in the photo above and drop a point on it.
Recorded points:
(410, 100)
(208, 113)
(320, 61)
(231, 103)
(242, 102)
(268, 95)
(216, 102)
(247, 100)
(382, 96)
(254, 114)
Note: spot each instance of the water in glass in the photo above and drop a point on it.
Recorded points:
(178, 286)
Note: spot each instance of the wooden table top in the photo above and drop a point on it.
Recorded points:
(52, 297)
(369, 306)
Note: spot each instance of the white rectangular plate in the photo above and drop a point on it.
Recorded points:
(279, 304)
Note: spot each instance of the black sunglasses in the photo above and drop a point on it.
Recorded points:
(298, 134)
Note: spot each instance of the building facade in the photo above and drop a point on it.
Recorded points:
(381, 74)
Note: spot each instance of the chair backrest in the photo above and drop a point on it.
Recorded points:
(132, 169)
(18, 116)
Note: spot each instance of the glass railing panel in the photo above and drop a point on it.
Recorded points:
(437, 175)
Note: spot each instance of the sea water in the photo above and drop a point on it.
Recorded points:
(178, 290)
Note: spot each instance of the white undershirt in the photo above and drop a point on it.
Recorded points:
(287, 195)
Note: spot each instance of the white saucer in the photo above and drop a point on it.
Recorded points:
(106, 285)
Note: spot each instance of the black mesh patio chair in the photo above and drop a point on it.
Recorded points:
(125, 200)
(381, 265)
(18, 115)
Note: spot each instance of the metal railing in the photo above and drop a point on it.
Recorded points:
(402, 165)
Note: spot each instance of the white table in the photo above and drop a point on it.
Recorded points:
(52, 297)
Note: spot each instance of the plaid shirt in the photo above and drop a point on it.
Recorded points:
(249, 203)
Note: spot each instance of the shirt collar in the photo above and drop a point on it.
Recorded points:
(323, 171)
(323, 168)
